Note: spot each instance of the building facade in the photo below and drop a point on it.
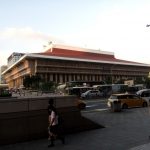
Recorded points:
(62, 64)
(2, 69)
(14, 57)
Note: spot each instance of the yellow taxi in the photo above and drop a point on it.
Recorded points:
(127, 100)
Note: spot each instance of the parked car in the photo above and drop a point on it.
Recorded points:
(145, 94)
(91, 94)
(127, 100)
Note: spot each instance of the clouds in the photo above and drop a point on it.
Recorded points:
(26, 33)
(22, 40)
(116, 26)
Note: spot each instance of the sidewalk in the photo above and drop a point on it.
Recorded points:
(142, 147)
(127, 130)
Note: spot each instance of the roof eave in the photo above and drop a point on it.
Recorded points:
(87, 60)
(73, 59)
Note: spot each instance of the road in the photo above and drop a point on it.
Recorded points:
(95, 104)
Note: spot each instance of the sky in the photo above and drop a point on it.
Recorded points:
(117, 26)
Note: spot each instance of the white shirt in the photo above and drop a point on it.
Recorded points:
(53, 118)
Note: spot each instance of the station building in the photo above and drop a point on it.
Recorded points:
(61, 64)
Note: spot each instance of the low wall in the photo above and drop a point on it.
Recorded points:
(27, 118)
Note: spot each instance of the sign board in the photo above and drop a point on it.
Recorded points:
(129, 82)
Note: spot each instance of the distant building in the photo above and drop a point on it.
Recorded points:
(61, 64)
(14, 57)
(3, 68)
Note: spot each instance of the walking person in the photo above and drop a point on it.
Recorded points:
(53, 128)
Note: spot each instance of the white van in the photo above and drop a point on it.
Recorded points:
(145, 94)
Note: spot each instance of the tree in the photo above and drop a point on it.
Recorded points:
(147, 82)
(31, 81)
(120, 81)
(47, 86)
(108, 80)
(139, 80)
(35, 79)
(27, 81)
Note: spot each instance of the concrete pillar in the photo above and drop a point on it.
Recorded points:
(69, 77)
(51, 77)
(56, 78)
(61, 78)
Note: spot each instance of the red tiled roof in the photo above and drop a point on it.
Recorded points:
(83, 55)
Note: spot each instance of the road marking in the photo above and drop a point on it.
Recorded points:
(91, 106)
(95, 110)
